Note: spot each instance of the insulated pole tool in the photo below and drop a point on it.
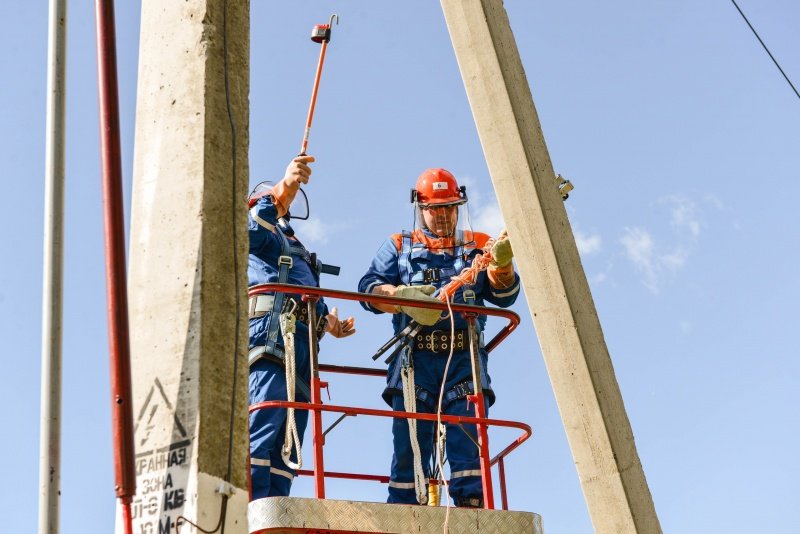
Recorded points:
(321, 33)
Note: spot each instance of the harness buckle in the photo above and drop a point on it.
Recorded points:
(289, 305)
(285, 260)
(431, 275)
(431, 339)
(469, 296)
(406, 360)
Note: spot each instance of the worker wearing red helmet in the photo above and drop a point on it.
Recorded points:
(278, 256)
(416, 264)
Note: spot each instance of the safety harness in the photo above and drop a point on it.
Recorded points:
(289, 251)
(431, 275)
(287, 311)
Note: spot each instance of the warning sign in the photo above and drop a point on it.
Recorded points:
(162, 465)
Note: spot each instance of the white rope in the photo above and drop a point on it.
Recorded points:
(441, 430)
(410, 402)
(292, 439)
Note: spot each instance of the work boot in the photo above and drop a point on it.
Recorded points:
(469, 502)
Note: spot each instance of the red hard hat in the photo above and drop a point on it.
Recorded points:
(438, 186)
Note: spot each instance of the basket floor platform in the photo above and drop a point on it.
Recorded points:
(291, 515)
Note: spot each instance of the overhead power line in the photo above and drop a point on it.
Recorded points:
(765, 48)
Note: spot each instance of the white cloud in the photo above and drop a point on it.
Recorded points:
(587, 243)
(473, 193)
(639, 246)
(684, 216)
(657, 261)
(483, 209)
(487, 219)
(640, 249)
(714, 200)
(674, 260)
(317, 231)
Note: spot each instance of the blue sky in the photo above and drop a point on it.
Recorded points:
(680, 136)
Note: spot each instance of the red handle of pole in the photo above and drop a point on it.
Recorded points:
(321, 33)
(314, 91)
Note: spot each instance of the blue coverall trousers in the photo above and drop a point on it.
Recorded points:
(462, 452)
(269, 474)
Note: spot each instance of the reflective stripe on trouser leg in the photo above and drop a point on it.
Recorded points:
(401, 483)
(462, 453)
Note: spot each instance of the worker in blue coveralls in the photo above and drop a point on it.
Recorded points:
(276, 255)
(415, 264)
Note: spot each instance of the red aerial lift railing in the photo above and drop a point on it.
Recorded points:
(311, 295)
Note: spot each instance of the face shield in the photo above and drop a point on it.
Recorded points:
(444, 225)
(298, 209)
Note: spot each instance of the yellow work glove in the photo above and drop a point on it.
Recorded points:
(423, 316)
(501, 251)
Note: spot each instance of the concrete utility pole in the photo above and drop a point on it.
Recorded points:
(558, 295)
(187, 285)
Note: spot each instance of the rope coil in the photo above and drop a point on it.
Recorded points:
(410, 402)
(292, 439)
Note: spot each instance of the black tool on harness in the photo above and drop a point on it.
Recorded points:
(401, 335)
(405, 342)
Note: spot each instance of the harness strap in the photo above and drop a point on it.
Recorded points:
(289, 251)
(285, 263)
(405, 253)
(459, 391)
(297, 249)
(403, 267)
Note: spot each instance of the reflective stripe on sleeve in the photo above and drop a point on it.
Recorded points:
(507, 293)
(260, 221)
(467, 473)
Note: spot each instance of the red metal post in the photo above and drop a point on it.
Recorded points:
(318, 439)
(483, 445)
(501, 466)
(480, 412)
(116, 290)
